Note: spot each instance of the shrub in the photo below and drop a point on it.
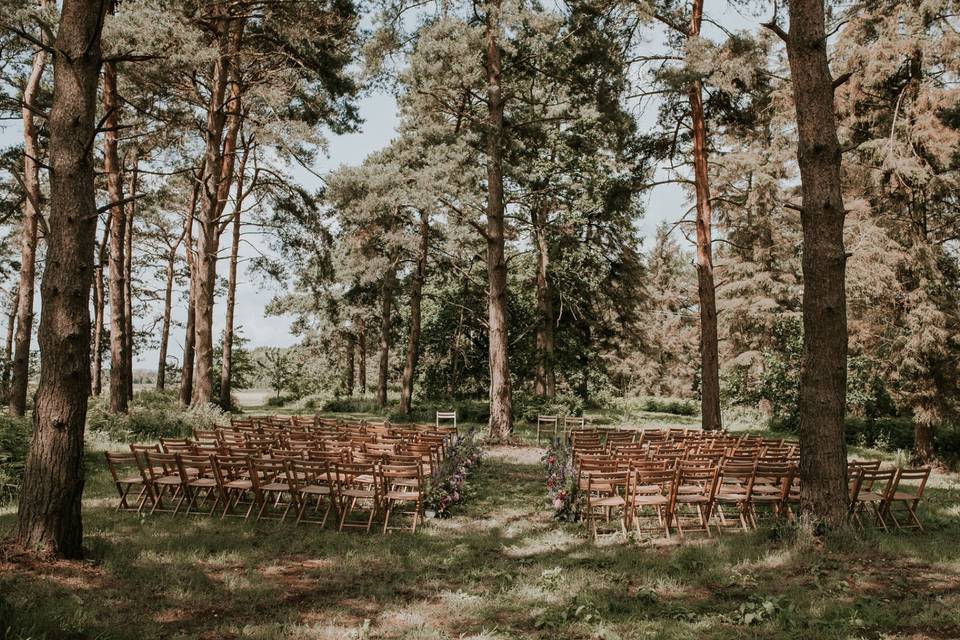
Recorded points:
(14, 444)
(527, 406)
(152, 415)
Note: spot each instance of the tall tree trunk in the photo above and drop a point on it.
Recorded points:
(189, 334)
(709, 349)
(351, 350)
(28, 236)
(226, 365)
(99, 304)
(416, 296)
(48, 518)
(362, 344)
(386, 307)
(823, 377)
(119, 388)
(209, 241)
(8, 345)
(501, 397)
(128, 272)
(167, 313)
(545, 385)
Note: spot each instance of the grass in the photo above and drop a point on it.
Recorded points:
(500, 568)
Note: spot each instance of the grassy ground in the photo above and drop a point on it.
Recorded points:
(501, 568)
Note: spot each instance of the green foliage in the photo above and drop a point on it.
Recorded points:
(527, 406)
(152, 415)
(14, 444)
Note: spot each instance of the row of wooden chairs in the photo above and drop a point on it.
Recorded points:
(270, 487)
(446, 420)
(697, 493)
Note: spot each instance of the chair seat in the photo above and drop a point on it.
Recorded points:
(870, 496)
(131, 480)
(275, 486)
(402, 495)
(203, 482)
(316, 489)
(651, 500)
(731, 496)
(171, 480)
(239, 484)
(693, 499)
(611, 501)
(359, 493)
(904, 497)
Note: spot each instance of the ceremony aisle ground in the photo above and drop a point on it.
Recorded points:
(500, 568)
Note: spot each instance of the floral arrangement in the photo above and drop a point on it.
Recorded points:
(563, 492)
(448, 484)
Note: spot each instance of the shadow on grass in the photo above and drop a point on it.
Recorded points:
(500, 568)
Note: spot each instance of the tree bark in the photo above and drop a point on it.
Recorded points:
(348, 376)
(49, 517)
(167, 313)
(8, 345)
(226, 365)
(545, 385)
(416, 296)
(823, 378)
(209, 220)
(28, 236)
(386, 307)
(186, 374)
(709, 346)
(362, 344)
(99, 304)
(119, 387)
(501, 400)
(128, 273)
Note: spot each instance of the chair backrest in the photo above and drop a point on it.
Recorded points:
(877, 480)
(548, 420)
(122, 463)
(410, 475)
(863, 464)
(231, 468)
(911, 476)
(310, 471)
(265, 470)
(143, 448)
(161, 464)
(203, 464)
(705, 479)
(446, 415)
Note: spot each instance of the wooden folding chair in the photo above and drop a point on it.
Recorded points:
(773, 488)
(270, 484)
(234, 483)
(907, 495)
(873, 489)
(163, 470)
(201, 486)
(314, 486)
(696, 489)
(127, 472)
(606, 492)
(402, 484)
(735, 488)
(357, 484)
(653, 490)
